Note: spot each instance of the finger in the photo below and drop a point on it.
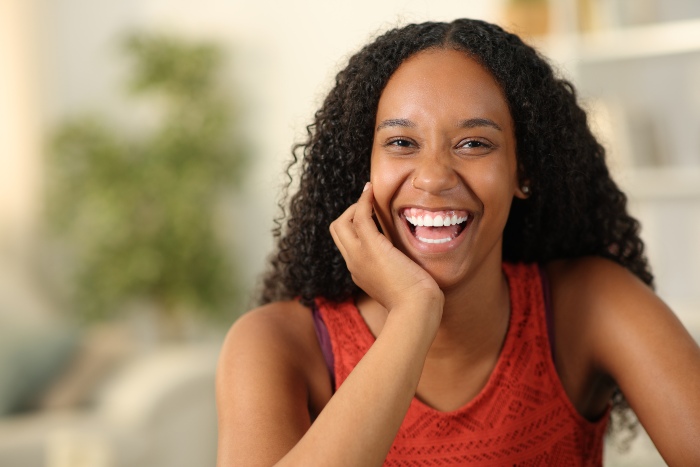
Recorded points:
(363, 212)
(337, 241)
(348, 214)
(343, 231)
(364, 223)
(344, 225)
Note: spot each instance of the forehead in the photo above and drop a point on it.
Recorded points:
(443, 82)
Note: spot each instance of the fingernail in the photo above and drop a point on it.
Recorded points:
(365, 188)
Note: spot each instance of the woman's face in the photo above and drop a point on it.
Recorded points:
(443, 164)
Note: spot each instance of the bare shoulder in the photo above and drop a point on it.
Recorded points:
(271, 377)
(615, 323)
(612, 301)
(598, 299)
(270, 328)
(593, 291)
(278, 337)
(593, 277)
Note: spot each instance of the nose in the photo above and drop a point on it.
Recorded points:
(435, 174)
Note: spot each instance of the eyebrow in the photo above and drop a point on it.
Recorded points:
(468, 123)
(396, 122)
(477, 122)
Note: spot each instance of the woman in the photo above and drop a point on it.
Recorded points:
(484, 302)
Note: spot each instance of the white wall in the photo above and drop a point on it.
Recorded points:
(284, 55)
(61, 57)
(19, 130)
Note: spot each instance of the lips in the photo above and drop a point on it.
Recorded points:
(435, 227)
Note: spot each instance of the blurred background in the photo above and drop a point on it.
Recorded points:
(142, 150)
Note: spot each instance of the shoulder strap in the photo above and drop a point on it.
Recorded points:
(549, 315)
(324, 340)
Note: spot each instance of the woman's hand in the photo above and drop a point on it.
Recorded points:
(271, 356)
(376, 266)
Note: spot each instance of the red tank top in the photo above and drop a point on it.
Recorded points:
(521, 417)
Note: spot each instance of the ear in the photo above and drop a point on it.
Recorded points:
(524, 188)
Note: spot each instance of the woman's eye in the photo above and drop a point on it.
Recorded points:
(475, 147)
(402, 143)
(472, 143)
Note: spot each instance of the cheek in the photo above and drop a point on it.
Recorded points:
(386, 179)
(495, 186)
(381, 172)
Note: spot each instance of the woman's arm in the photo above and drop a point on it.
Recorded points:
(262, 390)
(638, 341)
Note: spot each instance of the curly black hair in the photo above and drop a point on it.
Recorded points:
(575, 208)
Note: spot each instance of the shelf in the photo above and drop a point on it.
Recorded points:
(660, 183)
(660, 39)
(647, 41)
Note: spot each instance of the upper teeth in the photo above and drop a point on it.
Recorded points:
(435, 220)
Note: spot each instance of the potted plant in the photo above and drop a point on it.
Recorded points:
(136, 210)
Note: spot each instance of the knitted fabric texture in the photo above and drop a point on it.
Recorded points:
(522, 417)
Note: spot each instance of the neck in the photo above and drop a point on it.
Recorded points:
(474, 320)
(476, 314)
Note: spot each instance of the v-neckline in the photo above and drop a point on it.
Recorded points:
(368, 339)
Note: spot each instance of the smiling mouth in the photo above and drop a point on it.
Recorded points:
(435, 226)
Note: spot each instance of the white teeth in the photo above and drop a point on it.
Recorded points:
(421, 218)
(434, 240)
(437, 221)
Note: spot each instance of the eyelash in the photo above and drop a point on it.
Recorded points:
(479, 144)
(469, 143)
(393, 142)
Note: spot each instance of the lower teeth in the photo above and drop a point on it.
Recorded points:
(434, 240)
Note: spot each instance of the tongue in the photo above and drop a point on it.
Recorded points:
(435, 233)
